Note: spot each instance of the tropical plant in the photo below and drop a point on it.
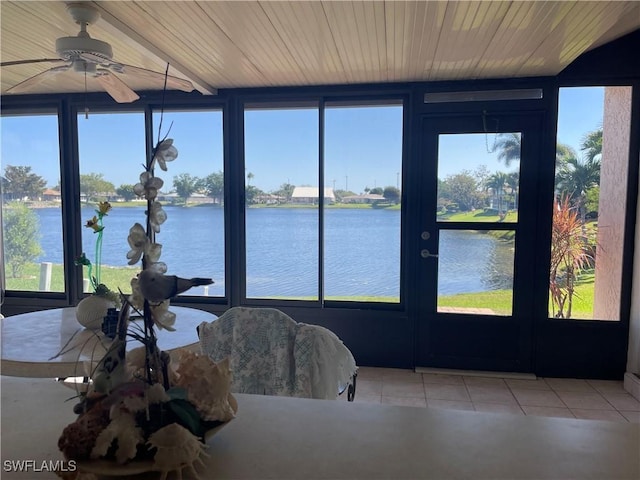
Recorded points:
(570, 254)
(591, 145)
(575, 178)
(509, 146)
(496, 184)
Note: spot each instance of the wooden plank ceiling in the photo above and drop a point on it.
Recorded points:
(220, 44)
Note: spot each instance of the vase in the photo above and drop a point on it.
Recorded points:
(91, 310)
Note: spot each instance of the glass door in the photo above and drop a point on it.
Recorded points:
(476, 224)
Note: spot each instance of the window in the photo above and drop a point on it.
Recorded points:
(363, 165)
(478, 183)
(31, 203)
(592, 158)
(193, 197)
(111, 151)
(281, 200)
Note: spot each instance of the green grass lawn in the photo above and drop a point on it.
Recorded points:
(498, 300)
(478, 216)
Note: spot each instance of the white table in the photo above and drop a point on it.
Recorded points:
(30, 341)
(292, 438)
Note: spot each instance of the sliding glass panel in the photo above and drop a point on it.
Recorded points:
(363, 161)
(112, 153)
(475, 272)
(282, 192)
(192, 196)
(31, 203)
(478, 177)
(590, 202)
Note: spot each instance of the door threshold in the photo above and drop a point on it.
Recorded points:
(477, 373)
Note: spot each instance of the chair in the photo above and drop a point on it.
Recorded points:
(272, 354)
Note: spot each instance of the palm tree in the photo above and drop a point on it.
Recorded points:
(591, 145)
(576, 178)
(509, 145)
(513, 182)
(496, 184)
(249, 178)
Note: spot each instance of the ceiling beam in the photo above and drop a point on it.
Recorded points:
(151, 50)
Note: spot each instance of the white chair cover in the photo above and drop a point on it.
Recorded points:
(271, 354)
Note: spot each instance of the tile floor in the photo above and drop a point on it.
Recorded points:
(551, 397)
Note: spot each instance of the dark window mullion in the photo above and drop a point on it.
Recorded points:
(321, 202)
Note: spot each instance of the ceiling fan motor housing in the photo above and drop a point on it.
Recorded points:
(84, 48)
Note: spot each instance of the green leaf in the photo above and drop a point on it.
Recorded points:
(188, 416)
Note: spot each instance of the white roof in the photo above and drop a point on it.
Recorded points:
(311, 192)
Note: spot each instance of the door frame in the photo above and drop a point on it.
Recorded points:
(495, 343)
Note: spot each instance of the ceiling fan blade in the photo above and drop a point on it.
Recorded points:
(31, 82)
(115, 87)
(173, 83)
(24, 62)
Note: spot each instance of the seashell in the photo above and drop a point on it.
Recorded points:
(207, 384)
(91, 310)
(176, 449)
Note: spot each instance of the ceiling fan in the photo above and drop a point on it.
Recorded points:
(92, 57)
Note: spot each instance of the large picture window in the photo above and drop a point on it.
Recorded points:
(31, 203)
(193, 198)
(590, 203)
(281, 200)
(108, 172)
(363, 165)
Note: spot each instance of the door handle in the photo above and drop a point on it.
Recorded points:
(424, 253)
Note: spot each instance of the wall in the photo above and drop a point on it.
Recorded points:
(613, 196)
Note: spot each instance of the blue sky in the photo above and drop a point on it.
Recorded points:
(362, 149)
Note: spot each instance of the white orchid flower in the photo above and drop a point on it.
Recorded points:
(136, 299)
(137, 241)
(162, 317)
(165, 152)
(157, 216)
(148, 186)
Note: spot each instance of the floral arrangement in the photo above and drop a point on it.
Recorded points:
(140, 407)
(97, 225)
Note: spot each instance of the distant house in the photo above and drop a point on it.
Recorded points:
(365, 198)
(310, 195)
(51, 195)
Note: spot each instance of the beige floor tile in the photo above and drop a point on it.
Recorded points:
(400, 374)
(569, 385)
(442, 379)
(537, 398)
(622, 401)
(397, 388)
(491, 394)
(404, 401)
(450, 404)
(633, 417)
(369, 373)
(537, 384)
(483, 381)
(548, 411)
(588, 414)
(607, 386)
(368, 387)
(588, 400)
(498, 408)
(446, 392)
